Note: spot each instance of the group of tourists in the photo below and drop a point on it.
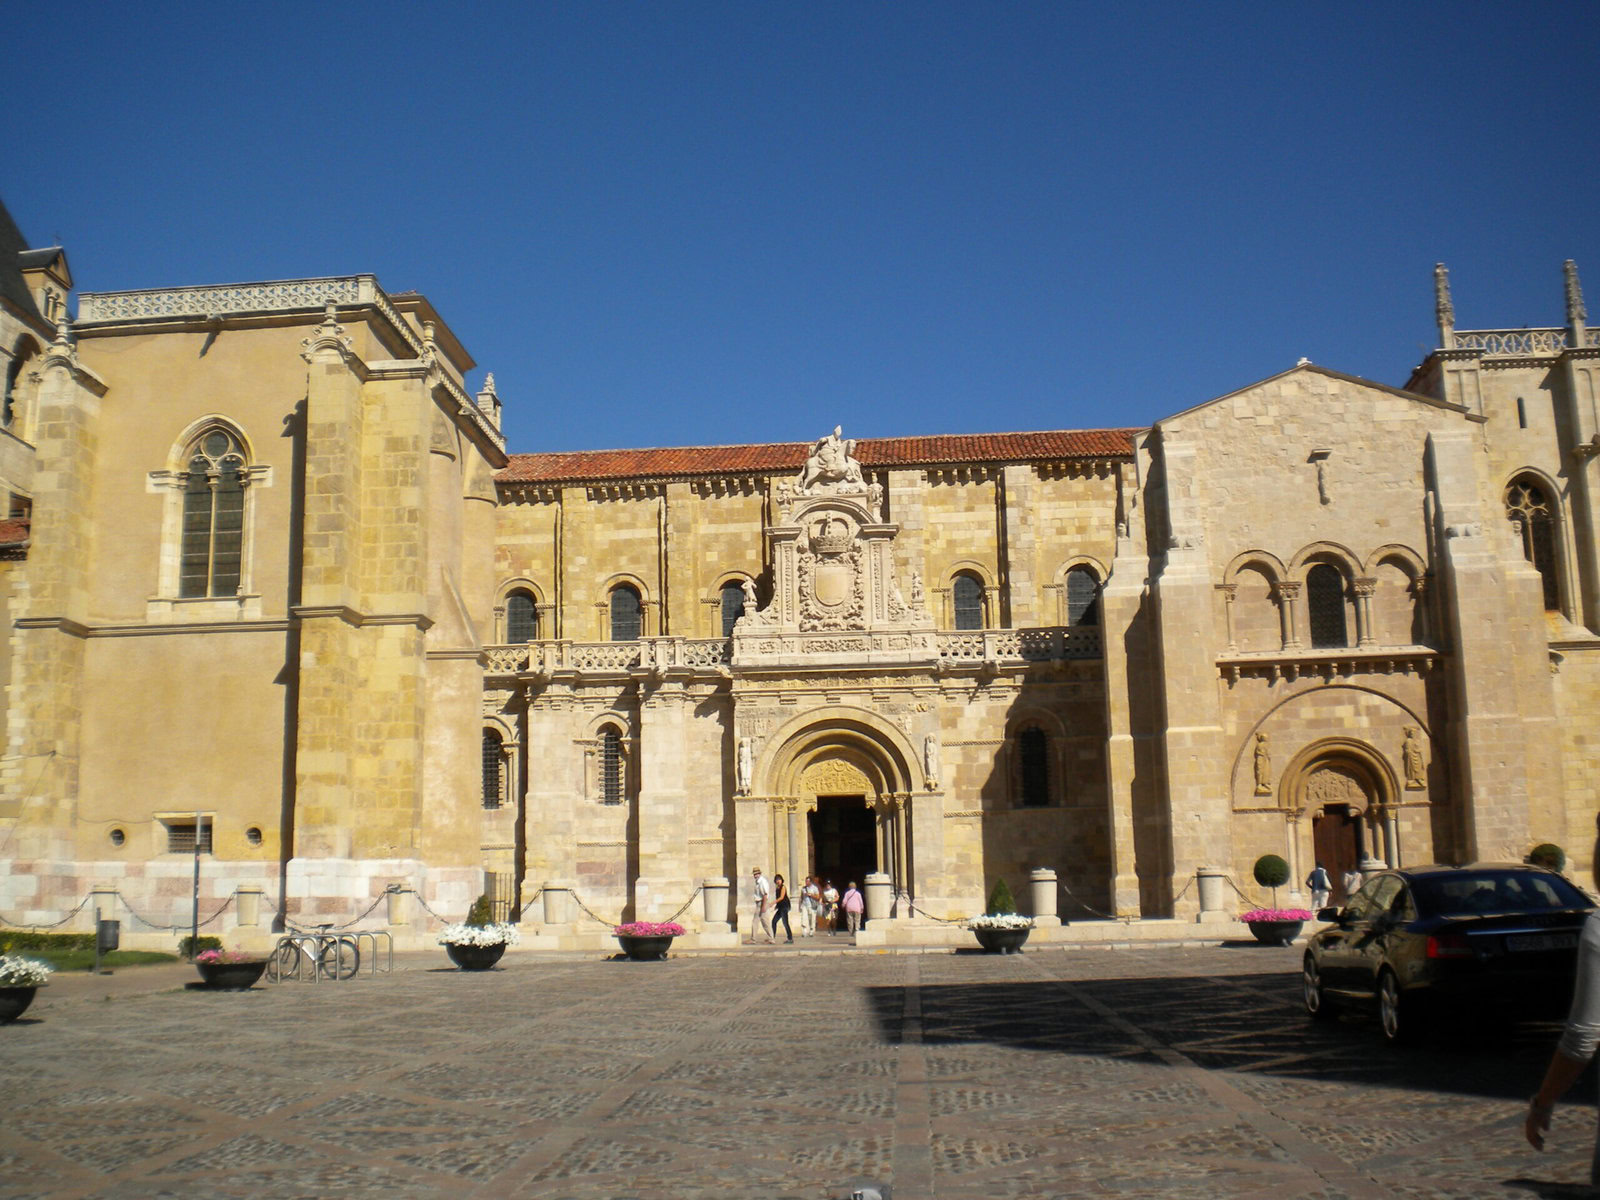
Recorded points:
(821, 906)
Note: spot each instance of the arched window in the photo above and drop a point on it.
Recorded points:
(611, 766)
(1528, 508)
(627, 614)
(493, 770)
(522, 618)
(732, 606)
(1083, 597)
(1033, 755)
(213, 516)
(20, 356)
(1325, 603)
(966, 597)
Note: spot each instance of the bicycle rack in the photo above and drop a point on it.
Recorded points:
(308, 948)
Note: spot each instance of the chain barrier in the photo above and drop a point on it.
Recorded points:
(942, 920)
(590, 915)
(1088, 907)
(5, 920)
(144, 920)
(423, 904)
(684, 907)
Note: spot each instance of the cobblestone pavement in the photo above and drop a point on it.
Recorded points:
(788, 1076)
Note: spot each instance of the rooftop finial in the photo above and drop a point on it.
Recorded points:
(1443, 309)
(488, 383)
(1575, 310)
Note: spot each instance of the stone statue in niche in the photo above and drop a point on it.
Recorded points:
(830, 461)
(930, 760)
(1411, 755)
(749, 588)
(1263, 766)
(746, 764)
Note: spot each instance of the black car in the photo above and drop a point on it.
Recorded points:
(1442, 940)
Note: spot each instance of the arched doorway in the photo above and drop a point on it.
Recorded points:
(837, 795)
(1345, 792)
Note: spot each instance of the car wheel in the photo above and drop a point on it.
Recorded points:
(1311, 983)
(1396, 1010)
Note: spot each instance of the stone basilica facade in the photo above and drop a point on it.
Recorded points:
(274, 584)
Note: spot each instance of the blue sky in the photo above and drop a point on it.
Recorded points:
(671, 224)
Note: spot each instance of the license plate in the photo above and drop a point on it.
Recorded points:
(1542, 941)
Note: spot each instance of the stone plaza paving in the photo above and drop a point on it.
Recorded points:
(785, 1075)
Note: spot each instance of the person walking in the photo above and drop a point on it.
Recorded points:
(830, 906)
(759, 923)
(1320, 884)
(1578, 1040)
(780, 910)
(1351, 882)
(853, 906)
(810, 903)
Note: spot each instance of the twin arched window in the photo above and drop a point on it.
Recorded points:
(627, 613)
(1530, 511)
(211, 548)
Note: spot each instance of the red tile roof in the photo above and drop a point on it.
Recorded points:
(14, 532)
(773, 457)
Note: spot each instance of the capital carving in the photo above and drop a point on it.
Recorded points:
(1286, 589)
(1364, 586)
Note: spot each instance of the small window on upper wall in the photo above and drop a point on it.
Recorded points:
(732, 606)
(966, 597)
(1083, 597)
(493, 769)
(522, 618)
(627, 614)
(1325, 603)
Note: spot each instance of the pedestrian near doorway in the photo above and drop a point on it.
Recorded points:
(1351, 882)
(810, 905)
(1320, 884)
(853, 906)
(763, 895)
(830, 906)
(780, 909)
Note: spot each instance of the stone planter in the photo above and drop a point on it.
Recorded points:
(474, 958)
(14, 1002)
(645, 949)
(1002, 941)
(231, 976)
(1275, 933)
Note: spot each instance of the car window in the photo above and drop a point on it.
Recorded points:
(1402, 908)
(1365, 902)
(1385, 889)
(1503, 890)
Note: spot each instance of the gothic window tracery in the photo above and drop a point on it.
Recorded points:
(1530, 512)
(212, 543)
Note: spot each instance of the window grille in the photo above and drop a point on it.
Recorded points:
(966, 594)
(213, 517)
(1325, 602)
(522, 618)
(180, 837)
(626, 614)
(1083, 597)
(1034, 752)
(1528, 509)
(611, 767)
(493, 770)
(732, 606)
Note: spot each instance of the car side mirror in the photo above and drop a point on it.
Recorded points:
(1327, 914)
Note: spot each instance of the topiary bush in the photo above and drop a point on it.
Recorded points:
(481, 913)
(204, 942)
(1000, 900)
(1271, 872)
(1548, 854)
(17, 939)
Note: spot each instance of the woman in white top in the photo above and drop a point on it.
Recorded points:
(1578, 1039)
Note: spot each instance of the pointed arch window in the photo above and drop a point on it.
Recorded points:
(522, 618)
(732, 606)
(1531, 513)
(1083, 597)
(966, 597)
(1325, 603)
(20, 356)
(212, 546)
(627, 614)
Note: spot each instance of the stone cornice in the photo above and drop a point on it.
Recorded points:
(351, 616)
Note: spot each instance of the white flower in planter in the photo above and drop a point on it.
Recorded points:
(1001, 921)
(16, 971)
(501, 933)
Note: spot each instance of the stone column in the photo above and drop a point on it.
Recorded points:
(247, 903)
(1042, 886)
(1363, 589)
(557, 896)
(878, 891)
(714, 898)
(1228, 592)
(797, 844)
(1287, 594)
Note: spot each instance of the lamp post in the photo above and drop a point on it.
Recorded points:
(194, 931)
